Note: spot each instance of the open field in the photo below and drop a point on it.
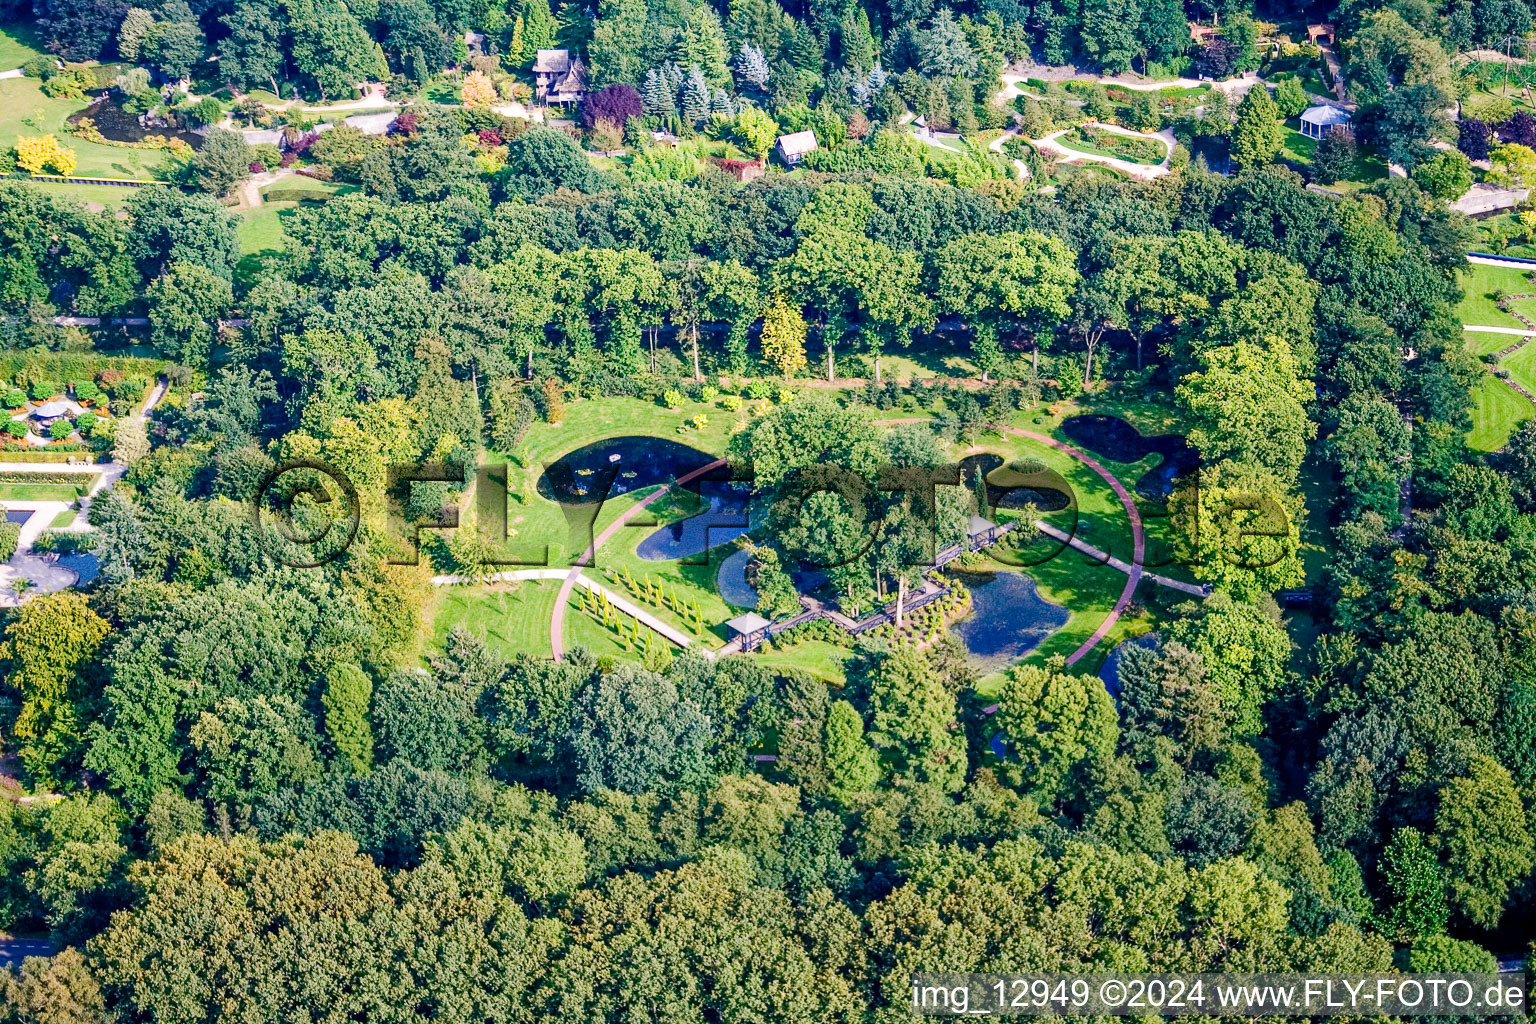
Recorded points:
(510, 619)
(1497, 411)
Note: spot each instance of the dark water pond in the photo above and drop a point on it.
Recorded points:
(120, 126)
(1115, 439)
(12, 516)
(1047, 490)
(732, 583)
(616, 465)
(1110, 671)
(725, 520)
(1009, 619)
(86, 565)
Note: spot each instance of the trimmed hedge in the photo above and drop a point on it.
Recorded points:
(56, 457)
(86, 480)
(296, 195)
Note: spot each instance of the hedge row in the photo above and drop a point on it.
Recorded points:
(55, 456)
(18, 477)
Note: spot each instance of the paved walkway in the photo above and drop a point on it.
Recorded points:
(1497, 330)
(1048, 144)
(1105, 558)
(996, 145)
(1497, 261)
(1138, 536)
(557, 621)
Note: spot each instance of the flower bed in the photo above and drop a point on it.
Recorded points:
(1096, 141)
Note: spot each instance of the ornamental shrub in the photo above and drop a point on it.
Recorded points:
(16, 428)
(673, 398)
(60, 429)
(43, 390)
(37, 154)
(759, 390)
(708, 393)
(731, 402)
(15, 398)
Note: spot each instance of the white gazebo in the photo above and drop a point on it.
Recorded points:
(1316, 121)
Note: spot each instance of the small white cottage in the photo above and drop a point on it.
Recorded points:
(792, 148)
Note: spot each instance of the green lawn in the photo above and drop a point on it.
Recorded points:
(819, 658)
(1297, 147)
(90, 196)
(1521, 365)
(24, 110)
(62, 520)
(19, 42)
(1482, 343)
(1478, 284)
(1497, 410)
(39, 492)
(511, 620)
(1366, 168)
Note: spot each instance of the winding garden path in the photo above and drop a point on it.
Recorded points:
(1138, 535)
(562, 600)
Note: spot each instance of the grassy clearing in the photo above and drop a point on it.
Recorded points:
(512, 619)
(1478, 285)
(41, 492)
(25, 110)
(1521, 365)
(1497, 411)
(90, 196)
(1296, 147)
(1482, 343)
(19, 42)
(823, 660)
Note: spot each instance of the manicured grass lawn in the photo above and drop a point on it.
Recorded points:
(1297, 147)
(511, 620)
(1521, 365)
(1497, 411)
(24, 110)
(39, 492)
(104, 196)
(19, 42)
(1367, 166)
(1482, 343)
(62, 520)
(1525, 307)
(261, 229)
(1478, 283)
(819, 658)
(935, 357)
